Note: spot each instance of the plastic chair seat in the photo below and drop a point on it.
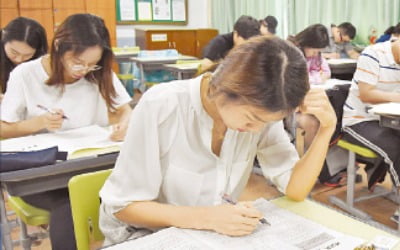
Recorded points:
(366, 155)
(30, 215)
(365, 152)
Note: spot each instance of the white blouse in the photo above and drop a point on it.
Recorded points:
(81, 101)
(167, 156)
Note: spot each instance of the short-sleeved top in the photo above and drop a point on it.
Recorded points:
(316, 66)
(167, 156)
(218, 47)
(81, 101)
(375, 66)
(341, 48)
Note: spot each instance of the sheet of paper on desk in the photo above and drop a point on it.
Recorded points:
(287, 231)
(391, 108)
(342, 61)
(91, 140)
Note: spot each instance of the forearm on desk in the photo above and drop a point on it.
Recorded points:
(308, 168)
(152, 214)
(121, 115)
(22, 128)
(370, 94)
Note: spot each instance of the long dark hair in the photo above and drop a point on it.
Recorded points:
(314, 36)
(77, 33)
(20, 29)
(265, 72)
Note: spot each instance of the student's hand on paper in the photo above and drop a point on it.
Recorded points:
(233, 220)
(53, 121)
(118, 131)
(316, 103)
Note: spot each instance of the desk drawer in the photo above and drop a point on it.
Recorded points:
(390, 121)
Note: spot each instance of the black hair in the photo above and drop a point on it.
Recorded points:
(314, 36)
(24, 30)
(271, 23)
(348, 29)
(247, 26)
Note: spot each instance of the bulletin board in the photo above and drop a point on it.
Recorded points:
(152, 12)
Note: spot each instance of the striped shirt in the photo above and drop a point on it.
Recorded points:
(375, 66)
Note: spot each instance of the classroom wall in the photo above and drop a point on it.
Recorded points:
(198, 17)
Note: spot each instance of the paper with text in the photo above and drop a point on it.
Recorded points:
(287, 231)
(77, 142)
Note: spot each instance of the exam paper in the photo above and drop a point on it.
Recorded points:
(73, 141)
(288, 231)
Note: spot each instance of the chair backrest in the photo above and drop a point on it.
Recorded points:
(85, 202)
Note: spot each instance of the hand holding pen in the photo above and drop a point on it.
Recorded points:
(53, 112)
(227, 199)
(52, 120)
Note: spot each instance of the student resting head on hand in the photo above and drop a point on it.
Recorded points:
(23, 39)
(189, 142)
(75, 82)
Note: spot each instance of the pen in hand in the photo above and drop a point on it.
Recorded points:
(50, 111)
(227, 199)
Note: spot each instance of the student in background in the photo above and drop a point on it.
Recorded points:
(311, 41)
(201, 137)
(391, 33)
(268, 25)
(244, 28)
(75, 81)
(23, 39)
(376, 80)
(339, 44)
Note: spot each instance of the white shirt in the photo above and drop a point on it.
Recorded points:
(81, 101)
(167, 156)
(375, 66)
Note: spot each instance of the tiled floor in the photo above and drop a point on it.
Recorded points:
(380, 208)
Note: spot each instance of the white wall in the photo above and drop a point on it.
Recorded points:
(198, 17)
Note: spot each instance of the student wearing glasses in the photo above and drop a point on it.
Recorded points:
(198, 140)
(76, 81)
(23, 39)
(339, 43)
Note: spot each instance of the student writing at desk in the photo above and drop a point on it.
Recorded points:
(23, 39)
(376, 80)
(75, 82)
(190, 143)
(339, 44)
(244, 28)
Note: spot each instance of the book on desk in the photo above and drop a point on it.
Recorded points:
(80, 142)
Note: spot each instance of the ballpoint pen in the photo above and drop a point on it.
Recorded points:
(227, 199)
(50, 111)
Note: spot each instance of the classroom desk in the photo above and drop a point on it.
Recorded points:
(313, 211)
(342, 68)
(46, 178)
(391, 121)
(125, 56)
(156, 63)
(183, 70)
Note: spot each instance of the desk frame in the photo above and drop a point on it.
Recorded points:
(46, 178)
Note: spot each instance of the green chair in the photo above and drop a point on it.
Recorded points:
(85, 202)
(365, 155)
(28, 215)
